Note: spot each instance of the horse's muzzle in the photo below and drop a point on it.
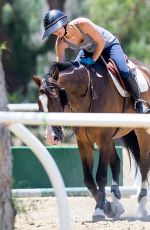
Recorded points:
(54, 135)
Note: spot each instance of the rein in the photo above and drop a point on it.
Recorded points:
(91, 89)
(90, 85)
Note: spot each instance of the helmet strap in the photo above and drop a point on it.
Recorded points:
(65, 27)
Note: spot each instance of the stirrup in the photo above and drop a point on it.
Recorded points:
(141, 106)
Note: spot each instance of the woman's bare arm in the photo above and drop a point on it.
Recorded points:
(60, 47)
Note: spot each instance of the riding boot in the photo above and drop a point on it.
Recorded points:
(132, 87)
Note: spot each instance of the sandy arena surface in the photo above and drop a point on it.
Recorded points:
(42, 214)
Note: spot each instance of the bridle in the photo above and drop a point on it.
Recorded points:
(52, 84)
(48, 86)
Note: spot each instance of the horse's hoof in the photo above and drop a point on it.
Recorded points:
(142, 210)
(142, 213)
(120, 210)
(98, 215)
(110, 209)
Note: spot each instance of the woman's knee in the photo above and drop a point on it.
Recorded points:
(124, 73)
(122, 67)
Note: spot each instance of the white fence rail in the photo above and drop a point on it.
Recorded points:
(75, 191)
(50, 167)
(69, 119)
(23, 107)
(77, 119)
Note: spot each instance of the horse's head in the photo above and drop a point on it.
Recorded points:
(52, 98)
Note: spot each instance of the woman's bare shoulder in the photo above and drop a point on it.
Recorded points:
(80, 21)
(84, 23)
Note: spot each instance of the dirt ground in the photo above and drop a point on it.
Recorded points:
(42, 214)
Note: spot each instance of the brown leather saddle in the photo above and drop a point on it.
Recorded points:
(111, 66)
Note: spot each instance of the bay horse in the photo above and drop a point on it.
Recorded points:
(84, 89)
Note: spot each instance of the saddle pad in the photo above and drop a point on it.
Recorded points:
(143, 86)
(140, 77)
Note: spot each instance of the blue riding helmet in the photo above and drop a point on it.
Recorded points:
(53, 20)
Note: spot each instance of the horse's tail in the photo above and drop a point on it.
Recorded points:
(131, 144)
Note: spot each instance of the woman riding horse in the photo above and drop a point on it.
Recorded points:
(92, 41)
(95, 93)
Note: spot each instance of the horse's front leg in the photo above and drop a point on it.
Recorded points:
(108, 155)
(114, 163)
(101, 179)
(102, 206)
(86, 155)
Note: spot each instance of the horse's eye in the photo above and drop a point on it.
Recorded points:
(42, 91)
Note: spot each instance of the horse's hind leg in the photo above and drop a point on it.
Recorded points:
(144, 166)
(142, 197)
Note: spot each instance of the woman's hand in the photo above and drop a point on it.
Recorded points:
(87, 61)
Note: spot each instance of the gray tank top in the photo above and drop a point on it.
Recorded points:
(88, 43)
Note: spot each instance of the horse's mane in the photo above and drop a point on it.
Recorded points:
(60, 67)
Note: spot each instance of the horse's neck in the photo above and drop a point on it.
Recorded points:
(75, 81)
(76, 84)
(86, 89)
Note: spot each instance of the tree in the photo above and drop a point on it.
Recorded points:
(21, 26)
(20, 22)
(57, 4)
(6, 206)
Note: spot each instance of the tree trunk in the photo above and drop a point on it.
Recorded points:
(6, 207)
(57, 4)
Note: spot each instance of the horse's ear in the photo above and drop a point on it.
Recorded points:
(55, 73)
(37, 80)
